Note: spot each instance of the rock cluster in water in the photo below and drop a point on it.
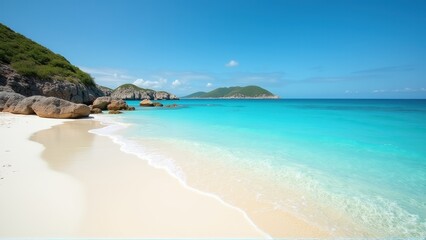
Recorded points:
(148, 103)
(114, 105)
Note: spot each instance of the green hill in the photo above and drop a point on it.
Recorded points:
(235, 92)
(31, 59)
(195, 95)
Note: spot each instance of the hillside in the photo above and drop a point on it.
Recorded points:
(31, 59)
(133, 92)
(234, 92)
(196, 95)
(30, 69)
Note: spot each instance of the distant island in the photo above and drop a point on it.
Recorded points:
(252, 92)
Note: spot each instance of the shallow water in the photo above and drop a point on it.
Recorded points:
(350, 167)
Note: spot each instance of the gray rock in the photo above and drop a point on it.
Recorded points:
(52, 107)
(107, 91)
(10, 80)
(161, 95)
(25, 105)
(8, 101)
(132, 92)
(95, 110)
(117, 104)
(146, 103)
(102, 102)
(157, 104)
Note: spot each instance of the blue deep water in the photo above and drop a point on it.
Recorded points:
(364, 158)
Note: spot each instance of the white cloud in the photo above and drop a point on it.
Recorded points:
(350, 92)
(150, 84)
(209, 85)
(232, 63)
(176, 83)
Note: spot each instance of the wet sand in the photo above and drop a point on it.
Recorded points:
(72, 183)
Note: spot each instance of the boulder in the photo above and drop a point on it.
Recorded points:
(157, 104)
(102, 102)
(95, 110)
(26, 104)
(146, 103)
(117, 104)
(52, 107)
(131, 108)
(9, 100)
(114, 112)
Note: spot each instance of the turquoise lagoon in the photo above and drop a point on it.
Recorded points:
(351, 167)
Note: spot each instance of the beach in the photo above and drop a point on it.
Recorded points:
(210, 169)
(59, 180)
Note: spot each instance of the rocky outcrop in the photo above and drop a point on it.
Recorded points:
(8, 100)
(48, 107)
(157, 104)
(161, 95)
(95, 110)
(11, 81)
(146, 103)
(105, 90)
(102, 102)
(52, 107)
(25, 106)
(117, 104)
(110, 103)
(133, 92)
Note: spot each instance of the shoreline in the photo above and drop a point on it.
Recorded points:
(96, 166)
(270, 223)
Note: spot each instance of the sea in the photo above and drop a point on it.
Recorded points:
(352, 168)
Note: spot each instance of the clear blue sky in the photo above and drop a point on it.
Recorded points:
(296, 49)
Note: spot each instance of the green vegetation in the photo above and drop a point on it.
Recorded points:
(233, 92)
(195, 95)
(31, 59)
(131, 86)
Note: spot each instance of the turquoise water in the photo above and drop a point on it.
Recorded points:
(361, 159)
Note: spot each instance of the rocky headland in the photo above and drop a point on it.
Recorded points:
(35, 80)
(77, 92)
(133, 92)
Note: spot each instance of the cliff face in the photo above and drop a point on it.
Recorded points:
(132, 92)
(77, 92)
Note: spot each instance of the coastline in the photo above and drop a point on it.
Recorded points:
(101, 192)
(277, 224)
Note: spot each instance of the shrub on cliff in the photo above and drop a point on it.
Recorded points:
(31, 59)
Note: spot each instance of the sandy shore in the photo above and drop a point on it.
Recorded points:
(67, 182)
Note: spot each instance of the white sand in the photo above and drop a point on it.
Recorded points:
(82, 185)
(34, 200)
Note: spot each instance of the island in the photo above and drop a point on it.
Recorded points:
(247, 92)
